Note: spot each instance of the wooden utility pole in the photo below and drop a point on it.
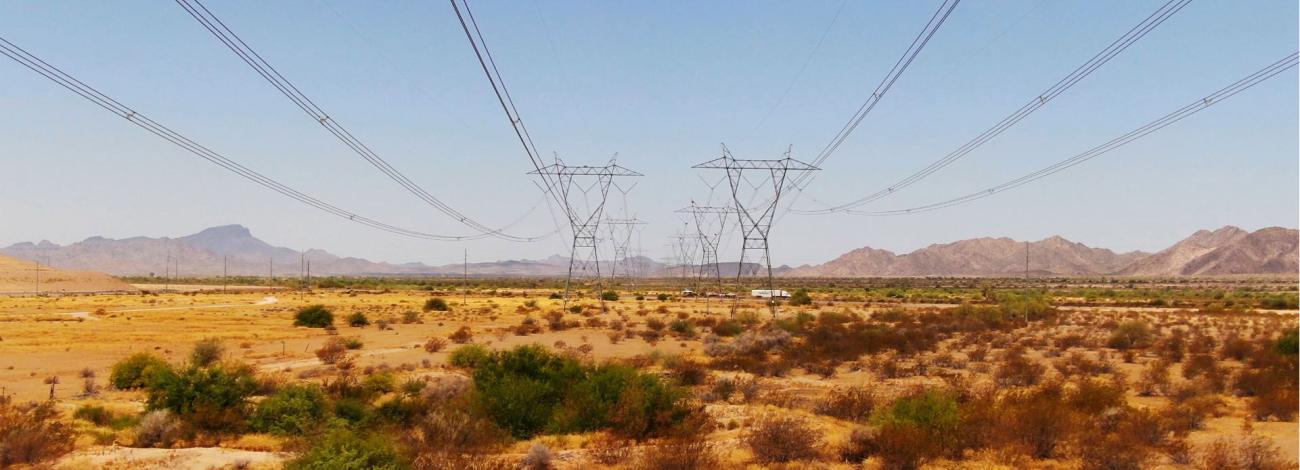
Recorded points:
(464, 279)
(225, 272)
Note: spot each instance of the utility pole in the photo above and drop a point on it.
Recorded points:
(167, 275)
(1026, 263)
(464, 280)
(38, 276)
(270, 272)
(224, 272)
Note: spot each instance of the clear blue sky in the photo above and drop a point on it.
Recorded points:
(662, 84)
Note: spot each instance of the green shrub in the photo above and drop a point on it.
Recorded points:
(1130, 334)
(358, 319)
(213, 399)
(436, 304)
(1289, 343)
(529, 390)
(207, 352)
(800, 297)
(469, 357)
(609, 296)
(293, 411)
(661, 297)
(728, 328)
(314, 316)
(101, 416)
(136, 371)
(343, 449)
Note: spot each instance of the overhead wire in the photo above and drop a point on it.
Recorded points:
(1039, 101)
(111, 105)
(1201, 104)
(246, 53)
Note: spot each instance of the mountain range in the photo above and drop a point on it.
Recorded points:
(1228, 250)
(234, 249)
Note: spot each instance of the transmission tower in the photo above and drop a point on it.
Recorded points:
(683, 245)
(710, 223)
(574, 182)
(620, 236)
(756, 218)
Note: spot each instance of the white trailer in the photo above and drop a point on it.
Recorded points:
(769, 293)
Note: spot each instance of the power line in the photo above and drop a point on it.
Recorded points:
(1040, 100)
(1166, 120)
(74, 85)
(900, 66)
(489, 66)
(812, 53)
(232, 41)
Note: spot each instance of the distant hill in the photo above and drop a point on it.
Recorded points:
(19, 276)
(1228, 250)
(202, 254)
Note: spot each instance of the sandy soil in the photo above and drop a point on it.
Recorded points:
(194, 458)
(21, 277)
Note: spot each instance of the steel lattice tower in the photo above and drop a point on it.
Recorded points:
(620, 236)
(710, 223)
(756, 218)
(584, 222)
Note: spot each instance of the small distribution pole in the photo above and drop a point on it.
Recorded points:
(464, 279)
(38, 276)
(270, 272)
(225, 273)
(167, 274)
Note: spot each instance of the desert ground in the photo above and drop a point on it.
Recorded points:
(968, 375)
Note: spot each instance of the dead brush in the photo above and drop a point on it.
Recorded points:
(778, 439)
(847, 403)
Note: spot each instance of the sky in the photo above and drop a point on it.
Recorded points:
(662, 84)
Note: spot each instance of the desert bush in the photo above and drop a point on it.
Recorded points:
(609, 296)
(1130, 334)
(345, 449)
(1288, 343)
(462, 335)
(470, 356)
(728, 328)
(411, 317)
(782, 438)
(676, 455)
(1248, 453)
(358, 319)
(157, 428)
(434, 345)
(1112, 452)
(212, 399)
(293, 411)
(565, 395)
(1036, 420)
(539, 457)
(436, 304)
(687, 371)
(207, 352)
(1018, 371)
(314, 316)
(1278, 402)
(848, 403)
(1154, 379)
(916, 427)
(136, 371)
(800, 297)
(334, 350)
(32, 434)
